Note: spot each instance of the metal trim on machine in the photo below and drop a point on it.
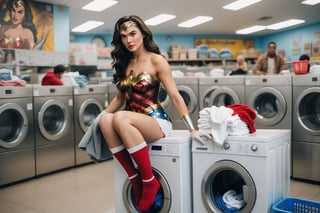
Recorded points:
(216, 95)
(60, 126)
(280, 106)
(128, 199)
(207, 185)
(303, 116)
(85, 106)
(19, 133)
(192, 105)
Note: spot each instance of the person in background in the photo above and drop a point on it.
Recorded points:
(139, 70)
(54, 77)
(2, 56)
(269, 63)
(241, 67)
(305, 57)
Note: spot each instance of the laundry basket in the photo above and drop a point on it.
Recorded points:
(296, 205)
(300, 67)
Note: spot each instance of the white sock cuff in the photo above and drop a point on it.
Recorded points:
(117, 149)
(137, 148)
(133, 176)
(145, 181)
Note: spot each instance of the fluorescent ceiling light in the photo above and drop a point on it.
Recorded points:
(99, 5)
(311, 2)
(88, 25)
(195, 21)
(285, 24)
(237, 5)
(159, 19)
(252, 29)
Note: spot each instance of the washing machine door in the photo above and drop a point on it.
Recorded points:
(89, 110)
(205, 97)
(53, 119)
(269, 105)
(223, 96)
(222, 177)
(307, 107)
(128, 198)
(189, 97)
(13, 125)
(163, 97)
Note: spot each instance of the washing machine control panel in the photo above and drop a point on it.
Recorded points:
(165, 149)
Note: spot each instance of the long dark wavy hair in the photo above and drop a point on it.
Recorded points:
(120, 55)
(28, 19)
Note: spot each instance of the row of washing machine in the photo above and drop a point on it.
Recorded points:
(281, 102)
(195, 177)
(41, 126)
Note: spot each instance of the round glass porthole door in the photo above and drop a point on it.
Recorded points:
(189, 97)
(162, 202)
(13, 125)
(89, 110)
(228, 177)
(205, 97)
(163, 97)
(223, 96)
(269, 105)
(308, 105)
(53, 119)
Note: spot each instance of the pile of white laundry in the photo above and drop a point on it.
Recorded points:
(235, 119)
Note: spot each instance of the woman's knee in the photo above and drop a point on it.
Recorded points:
(120, 119)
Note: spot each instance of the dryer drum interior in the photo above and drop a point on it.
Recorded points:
(309, 112)
(128, 198)
(223, 96)
(163, 97)
(13, 125)
(89, 110)
(269, 104)
(222, 177)
(53, 120)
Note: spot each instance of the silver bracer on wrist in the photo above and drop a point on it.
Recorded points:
(187, 122)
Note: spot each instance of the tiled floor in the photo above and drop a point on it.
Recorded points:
(87, 189)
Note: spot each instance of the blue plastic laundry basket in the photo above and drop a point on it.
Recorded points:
(296, 205)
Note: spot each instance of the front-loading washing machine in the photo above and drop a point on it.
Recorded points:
(88, 101)
(271, 98)
(255, 167)
(171, 161)
(188, 89)
(17, 160)
(54, 136)
(221, 91)
(306, 127)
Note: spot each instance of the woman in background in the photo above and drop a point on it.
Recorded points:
(241, 67)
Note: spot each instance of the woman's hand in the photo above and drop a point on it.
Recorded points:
(201, 136)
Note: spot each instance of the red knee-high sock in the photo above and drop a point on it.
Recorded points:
(150, 185)
(122, 155)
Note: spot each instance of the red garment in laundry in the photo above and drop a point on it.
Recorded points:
(246, 114)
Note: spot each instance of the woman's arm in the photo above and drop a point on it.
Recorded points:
(116, 103)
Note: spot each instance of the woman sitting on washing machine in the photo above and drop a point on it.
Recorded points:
(139, 70)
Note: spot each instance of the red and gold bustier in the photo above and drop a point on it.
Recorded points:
(141, 92)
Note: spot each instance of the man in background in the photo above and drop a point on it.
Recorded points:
(54, 77)
(270, 63)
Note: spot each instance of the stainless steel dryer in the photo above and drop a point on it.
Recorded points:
(17, 160)
(271, 98)
(221, 91)
(306, 127)
(53, 113)
(88, 103)
(188, 89)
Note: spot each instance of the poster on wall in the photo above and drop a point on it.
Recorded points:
(308, 48)
(26, 24)
(296, 45)
(316, 44)
(221, 48)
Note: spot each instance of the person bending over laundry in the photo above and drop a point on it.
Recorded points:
(54, 77)
(139, 70)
